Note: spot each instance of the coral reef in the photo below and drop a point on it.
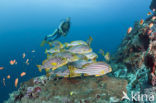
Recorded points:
(139, 48)
(135, 59)
(73, 75)
(75, 90)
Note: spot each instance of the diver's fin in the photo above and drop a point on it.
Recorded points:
(89, 41)
(43, 43)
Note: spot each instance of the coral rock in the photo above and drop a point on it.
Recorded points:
(87, 89)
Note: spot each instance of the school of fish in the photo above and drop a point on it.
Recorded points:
(12, 63)
(74, 59)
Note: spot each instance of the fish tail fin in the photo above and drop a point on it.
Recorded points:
(94, 60)
(90, 49)
(46, 51)
(43, 43)
(107, 54)
(90, 38)
(61, 45)
(73, 72)
(110, 69)
(39, 68)
(89, 41)
(66, 44)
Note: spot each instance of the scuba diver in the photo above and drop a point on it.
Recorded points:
(62, 30)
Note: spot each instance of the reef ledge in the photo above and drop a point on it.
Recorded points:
(70, 90)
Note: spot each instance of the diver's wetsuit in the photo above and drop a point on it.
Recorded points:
(61, 31)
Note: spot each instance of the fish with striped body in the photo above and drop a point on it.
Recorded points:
(97, 69)
(80, 49)
(70, 57)
(79, 64)
(61, 72)
(91, 56)
(56, 44)
(52, 63)
(52, 50)
(76, 43)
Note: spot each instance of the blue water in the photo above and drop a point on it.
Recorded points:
(24, 23)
